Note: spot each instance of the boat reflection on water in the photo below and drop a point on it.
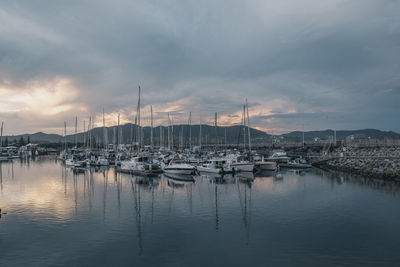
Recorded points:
(246, 178)
(179, 177)
(265, 174)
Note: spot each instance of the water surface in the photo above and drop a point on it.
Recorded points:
(56, 217)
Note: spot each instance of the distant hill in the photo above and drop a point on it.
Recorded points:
(234, 135)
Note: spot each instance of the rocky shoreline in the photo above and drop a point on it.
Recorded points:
(381, 163)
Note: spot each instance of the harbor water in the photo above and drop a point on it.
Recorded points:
(53, 216)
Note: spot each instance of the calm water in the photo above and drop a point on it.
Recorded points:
(57, 218)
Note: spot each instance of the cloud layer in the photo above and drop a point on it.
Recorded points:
(324, 64)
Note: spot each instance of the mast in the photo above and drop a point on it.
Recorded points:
(200, 133)
(118, 133)
(151, 129)
(303, 136)
(139, 131)
(216, 130)
(65, 134)
(1, 135)
(84, 132)
(190, 129)
(114, 137)
(334, 137)
(89, 144)
(244, 128)
(172, 132)
(92, 133)
(248, 124)
(226, 142)
(76, 131)
(169, 133)
(181, 139)
(161, 135)
(104, 131)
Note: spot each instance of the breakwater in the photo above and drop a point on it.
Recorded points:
(377, 162)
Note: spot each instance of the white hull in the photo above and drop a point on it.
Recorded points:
(266, 166)
(102, 162)
(243, 167)
(131, 166)
(69, 162)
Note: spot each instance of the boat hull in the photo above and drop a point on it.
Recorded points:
(265, 166)
(243, 167)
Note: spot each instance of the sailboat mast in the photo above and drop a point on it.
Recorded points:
(104, 131)
(1, 136)
(216, 129)
(151, 129)
(169, 133)
(139, 131)
(226, 142)
(92, 134)
(118, 141)
(248, 124)
(200, 133)
(89, 143)
(65, 134)
(190, 129)
(244, 128)
(76, 131)
(172, 132)
(84, 132)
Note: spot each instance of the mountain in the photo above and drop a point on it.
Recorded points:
(128, 132)
(234, 135)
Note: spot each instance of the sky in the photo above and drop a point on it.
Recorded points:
(332, 64)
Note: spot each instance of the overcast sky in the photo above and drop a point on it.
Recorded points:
(325, 64)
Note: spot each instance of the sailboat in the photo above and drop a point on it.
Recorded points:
(239, 163)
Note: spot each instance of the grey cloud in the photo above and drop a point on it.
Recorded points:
(335, 63)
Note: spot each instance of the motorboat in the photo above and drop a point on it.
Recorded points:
(298, 164)
(176, 167)
(102, 161)
(243, 166)
(265, 165)
(70, 162)
(279, 156)
(213, 166)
